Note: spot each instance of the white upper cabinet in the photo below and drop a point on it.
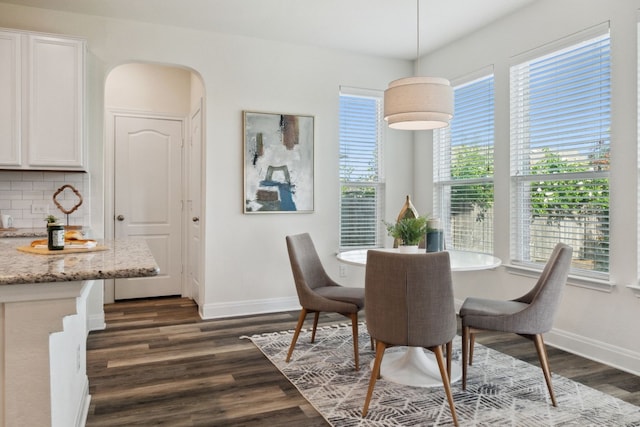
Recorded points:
(10, 99)
(56, 92)
(42, 128)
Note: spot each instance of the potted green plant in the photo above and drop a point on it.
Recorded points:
(51, 219)
(408, 230)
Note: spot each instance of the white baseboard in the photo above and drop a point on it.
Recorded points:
(96, 322)
(617, 357)
(243, 308)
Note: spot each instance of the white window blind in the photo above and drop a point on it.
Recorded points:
(463, 168)
(560, 125)
(361, 184)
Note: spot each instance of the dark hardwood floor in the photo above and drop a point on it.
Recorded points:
(158, 363)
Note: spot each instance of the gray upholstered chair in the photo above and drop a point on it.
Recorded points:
(529, 316)
(317, 292)
(410, 303)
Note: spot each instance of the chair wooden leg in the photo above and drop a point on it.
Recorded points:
(315, 326)
(465, 355)
(375, 373)
(303, 315)
(449, 351)
(354, 328)
(437, 350)
(544, 364)
(472, 343)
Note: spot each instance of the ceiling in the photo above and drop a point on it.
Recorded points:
(374, 27)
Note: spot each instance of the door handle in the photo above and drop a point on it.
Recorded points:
(195, 219)
(120, 217)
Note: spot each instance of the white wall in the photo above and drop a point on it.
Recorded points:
(595, 323)
(149, 88)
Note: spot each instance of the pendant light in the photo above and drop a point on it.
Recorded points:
(418, 103)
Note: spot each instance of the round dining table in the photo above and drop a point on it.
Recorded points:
(415, 366)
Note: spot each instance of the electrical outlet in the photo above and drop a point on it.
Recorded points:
(40, 209)
(343, 271)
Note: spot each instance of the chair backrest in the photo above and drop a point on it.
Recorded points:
(308, 272)
(544, 297)
(409, 298)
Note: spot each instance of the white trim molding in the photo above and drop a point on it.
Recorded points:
(635, 289)
(593, 283)
(96, 322)
(244, 308)
(617, 357)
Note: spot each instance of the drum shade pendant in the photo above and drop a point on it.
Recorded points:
(418, 103)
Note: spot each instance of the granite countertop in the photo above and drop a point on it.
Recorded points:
(124, 258)
(23, 232)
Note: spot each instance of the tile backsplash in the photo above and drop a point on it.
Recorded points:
(22, 191)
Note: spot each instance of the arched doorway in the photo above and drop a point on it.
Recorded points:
(154, 174)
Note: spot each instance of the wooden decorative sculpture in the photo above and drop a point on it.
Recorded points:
(59, 206)
(407, 211)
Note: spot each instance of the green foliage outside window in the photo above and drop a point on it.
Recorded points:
(582, 201)
(468, 163)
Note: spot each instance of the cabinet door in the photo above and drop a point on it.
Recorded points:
(56, 93)
(10, 99)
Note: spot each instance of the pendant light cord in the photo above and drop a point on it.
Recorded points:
(416, 102)
(418, 36)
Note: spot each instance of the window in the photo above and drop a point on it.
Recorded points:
(463, 169)
(560, 124)
(361, 183)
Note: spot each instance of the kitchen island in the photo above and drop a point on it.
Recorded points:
(48, 305)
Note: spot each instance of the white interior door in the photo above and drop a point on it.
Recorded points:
(195, 209)
(148, 199)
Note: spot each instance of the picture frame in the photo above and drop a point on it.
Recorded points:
(278, 162)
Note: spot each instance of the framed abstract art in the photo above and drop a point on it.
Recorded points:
(278, 163)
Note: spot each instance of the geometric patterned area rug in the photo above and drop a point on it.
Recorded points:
(501, 390)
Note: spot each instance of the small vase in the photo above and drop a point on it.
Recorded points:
(408, 249)
(435, 241)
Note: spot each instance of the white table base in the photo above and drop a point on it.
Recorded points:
(415, 367)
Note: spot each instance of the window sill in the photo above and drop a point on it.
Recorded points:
(635, 289)
(579, 281)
